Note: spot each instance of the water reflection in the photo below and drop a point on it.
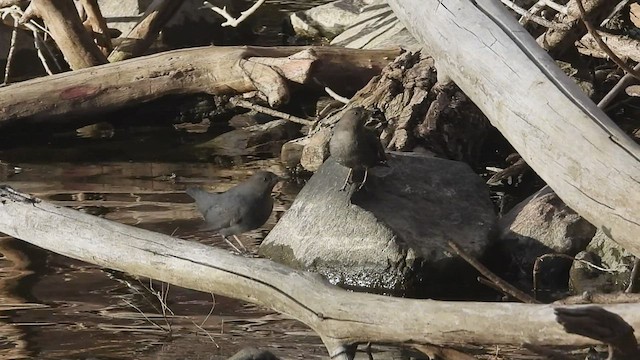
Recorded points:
(54, 307)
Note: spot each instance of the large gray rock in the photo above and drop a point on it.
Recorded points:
(543, 224)
(390, 237)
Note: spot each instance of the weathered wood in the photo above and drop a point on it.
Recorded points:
(622, 46)
(212, 70)
(66, 29)
(587, 160)
(556, 41)
(96, 24)
(339, 317)
(138, 40)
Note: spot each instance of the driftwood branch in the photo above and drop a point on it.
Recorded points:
(212, 70)
(97, 25)
(602, 325)
(138, 40)
(230, 20)
(339, 317)
(585, 158)
(67, 30)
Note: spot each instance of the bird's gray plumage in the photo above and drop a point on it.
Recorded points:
(244, 207)
(355, 146)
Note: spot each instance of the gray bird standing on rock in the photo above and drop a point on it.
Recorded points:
(355, 146)
(244, 207)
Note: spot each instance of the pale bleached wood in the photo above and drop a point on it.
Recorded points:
(140, 38)
(338, 316)
(587, 160)
(65, 27)
(212, 70)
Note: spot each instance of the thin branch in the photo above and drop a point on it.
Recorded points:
(533, 10)
(539, 259)
(265, 110)
(557, 7)
(535, 18)
(505, 286)
(27, 24)
(12, 49)
(231, 21)
(335, 96)
(602, 44)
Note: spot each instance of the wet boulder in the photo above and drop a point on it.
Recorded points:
(391, 236)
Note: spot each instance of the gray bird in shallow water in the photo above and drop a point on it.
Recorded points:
(355, 146)
(244, 207)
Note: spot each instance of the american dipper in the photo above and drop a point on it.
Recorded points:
(244, 207)
(355, 146)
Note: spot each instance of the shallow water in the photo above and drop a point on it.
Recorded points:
(53, 307)
(57, 308)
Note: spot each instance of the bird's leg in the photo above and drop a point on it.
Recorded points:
(347, 180)
(240, 242)
(364, 180)
(231, 244)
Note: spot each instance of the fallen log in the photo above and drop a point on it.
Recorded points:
(585, 158)
(211, 70)
(340, 317)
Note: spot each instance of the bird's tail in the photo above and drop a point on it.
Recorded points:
(195, 192)
(203, 199)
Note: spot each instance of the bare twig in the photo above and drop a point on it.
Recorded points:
(555, 6)
(505, 286)
(533, 10)
(335, 96)
(12, 49)
(144, 315)
(602, 44)
(539, 259)
(535, 18)
(231, 21)
(265, 110)
(36, 29)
